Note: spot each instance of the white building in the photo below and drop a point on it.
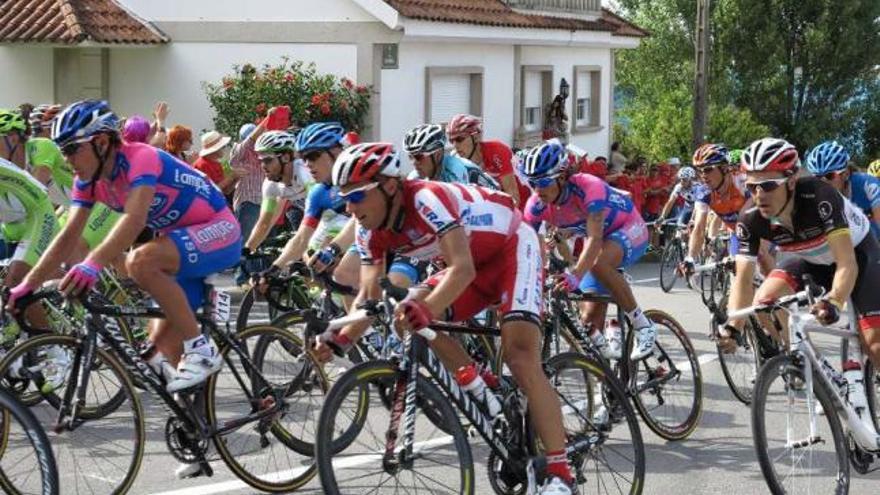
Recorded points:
(425, 59)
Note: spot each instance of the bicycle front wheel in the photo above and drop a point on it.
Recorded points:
(669, 260)
(740, 367)
(27, 465)
(441, 460)
(793, 458)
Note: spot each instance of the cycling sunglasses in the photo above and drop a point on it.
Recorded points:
(418, 156)
(766, 186)
(542, 182)
(312, 156)
(831, 175)
(459, 139)
(266, 160)
(358, 195)
(71, 148)
(708, 169)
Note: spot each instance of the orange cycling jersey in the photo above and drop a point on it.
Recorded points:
(726, 204)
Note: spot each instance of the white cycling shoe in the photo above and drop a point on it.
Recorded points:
(609, 348)
(646, 340)
(184, 470)
(555, 486)
(195, 367)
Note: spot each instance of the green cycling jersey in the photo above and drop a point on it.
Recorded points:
(26, 213)
(42, 152)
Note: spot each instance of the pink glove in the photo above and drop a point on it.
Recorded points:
(81, 278)
(569, 281)
(17, 293)
(417, 313)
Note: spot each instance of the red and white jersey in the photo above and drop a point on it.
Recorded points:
(431, 209)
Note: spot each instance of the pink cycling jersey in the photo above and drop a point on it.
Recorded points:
(184, 196)
(581, 195)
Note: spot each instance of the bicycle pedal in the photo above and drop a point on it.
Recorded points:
(472, 432)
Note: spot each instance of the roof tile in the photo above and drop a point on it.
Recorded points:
(74, 21)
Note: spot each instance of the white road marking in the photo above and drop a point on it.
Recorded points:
(646, 280)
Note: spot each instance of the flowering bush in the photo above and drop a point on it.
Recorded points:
(247, 95)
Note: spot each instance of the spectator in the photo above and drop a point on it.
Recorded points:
(180, 142)
(597, 167)
(618, 160)
(214, 147)
(248, 192)
(656, 193)
(158, 133)
(136, 129)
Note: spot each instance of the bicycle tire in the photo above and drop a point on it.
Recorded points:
(384, 374)
(872, 383)
(76, 451)
(13, 411)
(624, 418)
(780, 367)
(741, 389)
(672, 256)
(674, 430)
(258, 340)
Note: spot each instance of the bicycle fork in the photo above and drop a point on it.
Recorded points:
(403, 404)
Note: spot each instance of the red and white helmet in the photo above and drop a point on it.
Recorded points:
(365, 162)
(770, 154)
(464, 125)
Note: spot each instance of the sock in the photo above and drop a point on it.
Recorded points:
(637, 318)
(557, 465)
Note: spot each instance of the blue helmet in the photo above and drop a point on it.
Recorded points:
(83, 120)
(827, 157)
(545, 160)
(246, 131)
(319, 136)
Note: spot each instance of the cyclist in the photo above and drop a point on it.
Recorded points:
(282, 186)
(824, 232)
(490, 255)
(830, 161)
(426, 145)
(688, 189)
(198, 234)
(874, 168)
(466, 134)
(614, 233)
(42, 158)
(40, 119)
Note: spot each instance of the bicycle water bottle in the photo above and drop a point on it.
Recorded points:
(468, 377)
(855, 387)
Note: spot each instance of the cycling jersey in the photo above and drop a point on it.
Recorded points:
(26, 213)
(865, 193)
(820, 213)
(455, 169)
(498, 162)
(42, 152)
(690, 195)
(506, 253)
(293, 193)
(726, 204)
(322, 197)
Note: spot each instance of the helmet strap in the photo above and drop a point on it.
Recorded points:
(788, 196)
(102, 158)
(12, 149)
(397, 223)
(724, 178)
(474, 148)
(561, 196)
(438, 164)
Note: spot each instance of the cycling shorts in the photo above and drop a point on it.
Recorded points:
(101, 221)
(33, 235)
(633, 244)
(205, 248)
(864, 294)
(684, 215)
(514, 280)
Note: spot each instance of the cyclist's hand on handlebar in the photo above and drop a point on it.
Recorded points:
(81, 278)
(412, 315)
(826, 311)
(566, 282)
(329, 343)
(325, 259)
(686, 267)
(15, 294)
(261, 280)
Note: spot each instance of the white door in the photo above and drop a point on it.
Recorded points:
(450, 95)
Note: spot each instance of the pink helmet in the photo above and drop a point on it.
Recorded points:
(464, 125)
(136, 129)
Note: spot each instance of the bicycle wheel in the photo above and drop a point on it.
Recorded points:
(443, 464)
(265, 452)
(101, 454)
(27, 465)
(790, 460)
(255, 310)
(740, 368)
(872, 391)
(668, 384)
(616, 462)
(669, 261)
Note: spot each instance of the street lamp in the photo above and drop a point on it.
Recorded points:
(563, 89)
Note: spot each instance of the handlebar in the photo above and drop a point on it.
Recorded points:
(805, 297)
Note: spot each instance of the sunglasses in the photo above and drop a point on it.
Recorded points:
(418, 156)
(831, 175)
(709, 169)
(71, 148)
(766, 186)
(358, 195)
(459, 139)
(542, 182)
(313, 156)
(266, 160)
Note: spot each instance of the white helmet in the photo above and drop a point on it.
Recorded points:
(424, 138)
(771, 154)
(687, 173)
(365, 162)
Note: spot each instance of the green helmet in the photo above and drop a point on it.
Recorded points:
(735, 156)
(11, 121)
(275, 142)
(874, 168)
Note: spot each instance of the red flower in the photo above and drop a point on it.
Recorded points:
(289, 77)
(346, 82)
(361, 89)
(316, 100)
(325, 109)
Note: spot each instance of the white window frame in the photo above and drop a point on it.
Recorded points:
(476, 89)
(529, 132)
(592, 97)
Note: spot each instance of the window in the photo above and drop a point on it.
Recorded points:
(535, 94)
(587, 85)
(453, 90)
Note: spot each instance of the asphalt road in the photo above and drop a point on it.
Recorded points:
(718, 458)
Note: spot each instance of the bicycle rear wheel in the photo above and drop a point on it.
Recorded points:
(669, 260)
(790, 460)
(442, 464)
(668, 384)
(27, 465)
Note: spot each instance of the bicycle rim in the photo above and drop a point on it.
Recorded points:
(27, 465)
(668, 263)
(740, 368)
(781, 416)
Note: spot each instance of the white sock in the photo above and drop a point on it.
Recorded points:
(638, 319)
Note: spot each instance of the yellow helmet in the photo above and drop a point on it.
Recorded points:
(874, 168)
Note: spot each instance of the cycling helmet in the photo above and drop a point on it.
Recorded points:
(771, 154)
(136, 129)
(319, 136)
(42, 114)
(275, 142)
(711, 154)
(11, 121)
(464, 125)
(687, 173)
(424, 139)
(827, 157)
(735, 156)
(82, 120)
(364, 163)
(245, 131)
(549, 159)
(874, 168)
